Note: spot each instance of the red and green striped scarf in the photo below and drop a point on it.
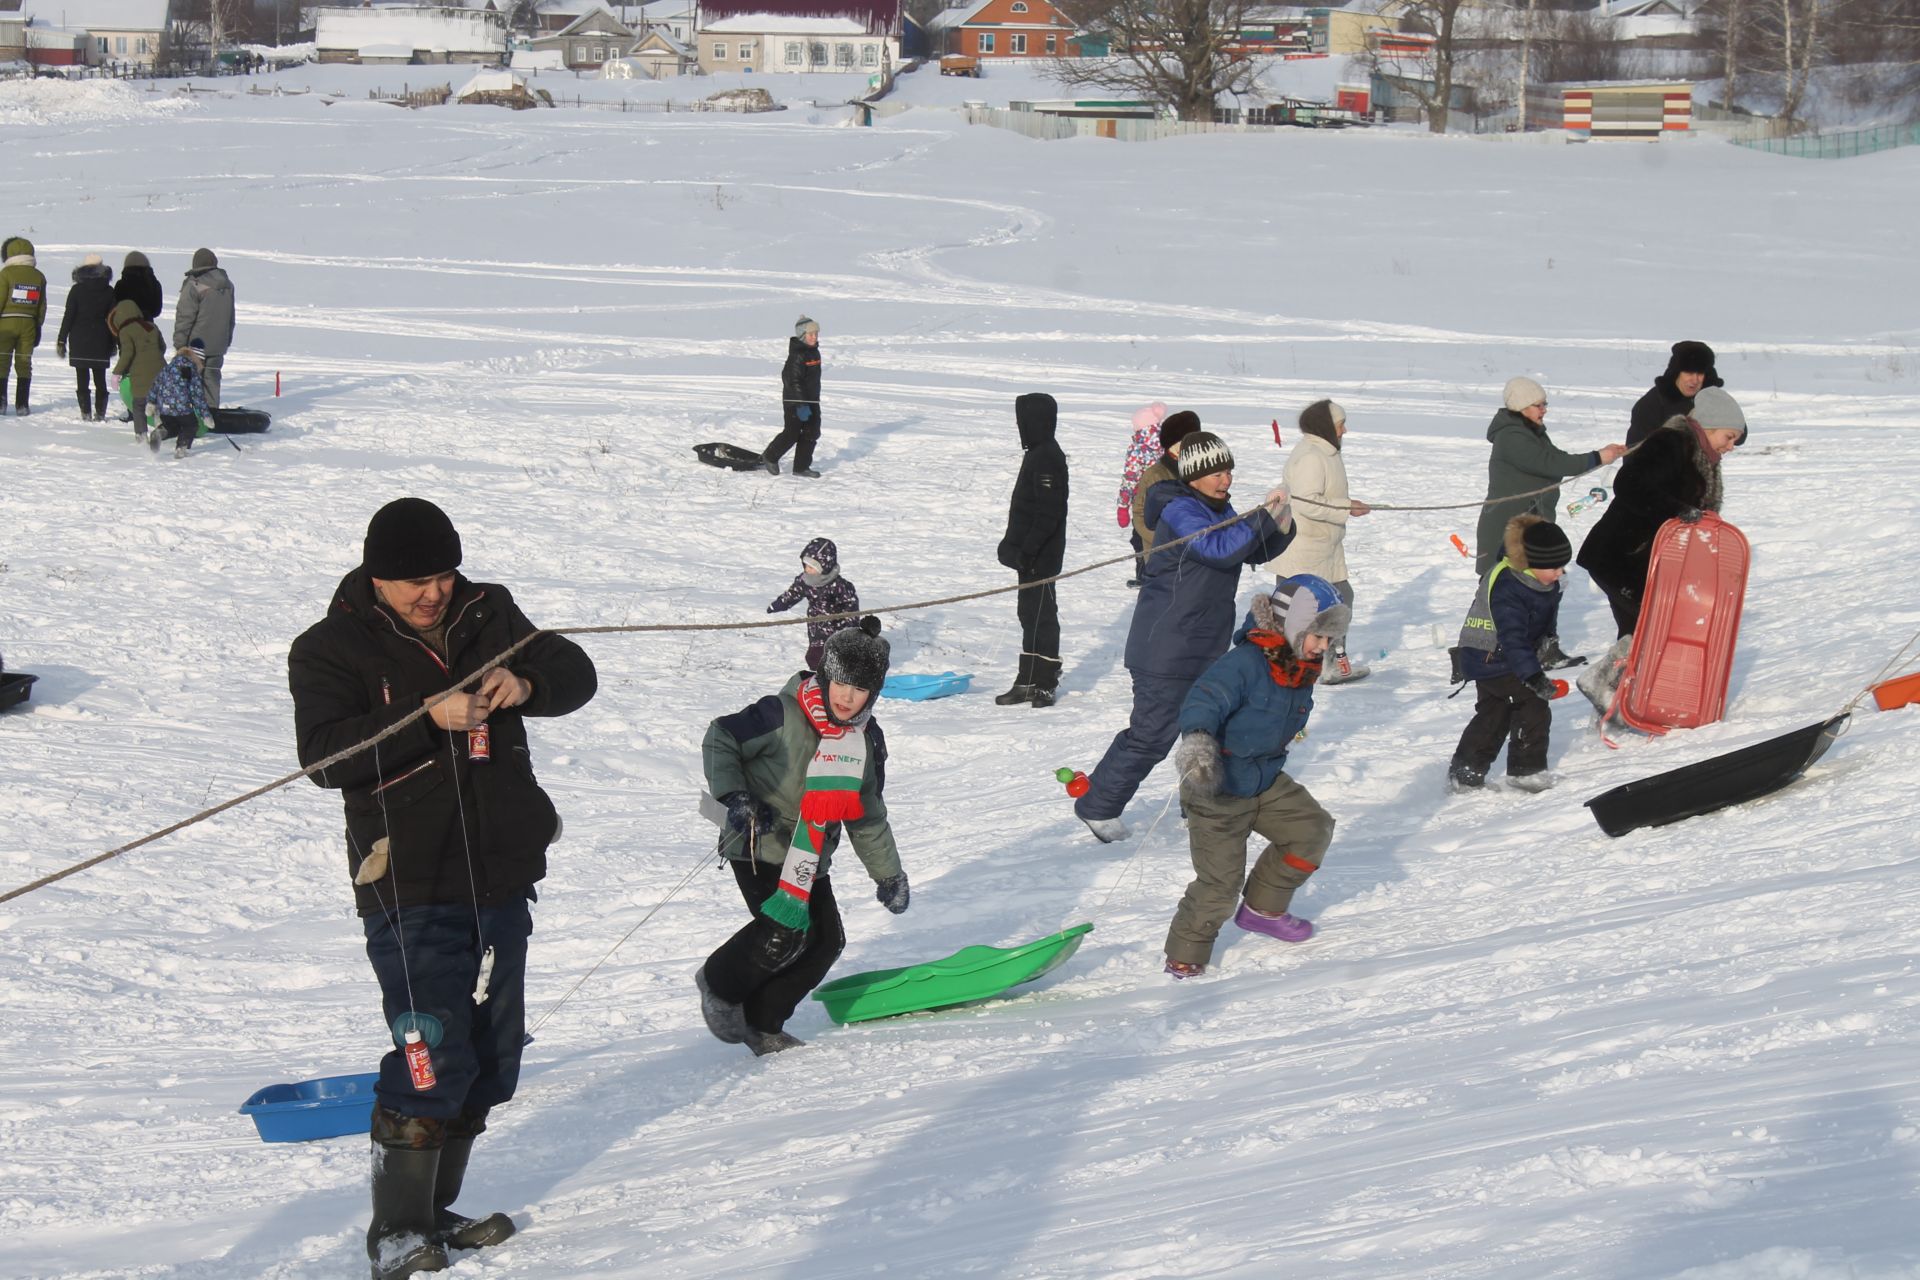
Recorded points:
(832, 795)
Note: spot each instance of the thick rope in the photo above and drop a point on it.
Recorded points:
(661, 627)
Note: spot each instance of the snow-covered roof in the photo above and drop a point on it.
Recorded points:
(102, 15)
(663, 40)
(755, 23)
(492, 82)
(959, 15)
(455, 30)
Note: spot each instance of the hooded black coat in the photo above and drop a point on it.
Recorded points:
(1035, 545)
(460, 830)
(138, 282)
(1663, 400)
(800, 376)
(83, 322)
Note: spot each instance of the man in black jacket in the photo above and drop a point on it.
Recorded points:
(447, 832)
(800, 402)
(1035, 548)
(1689, 369)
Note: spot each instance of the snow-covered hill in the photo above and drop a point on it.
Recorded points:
(1517, 1049)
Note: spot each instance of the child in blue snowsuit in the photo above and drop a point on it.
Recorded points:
(1235, 727)
(825, 591)
(1516, 609)
(181, 397)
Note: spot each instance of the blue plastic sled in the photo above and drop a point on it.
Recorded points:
(331, 1107)
(921, 688)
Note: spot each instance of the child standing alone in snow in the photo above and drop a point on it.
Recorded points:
(1516, 609)
(826, 593)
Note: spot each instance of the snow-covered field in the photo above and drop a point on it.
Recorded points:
(1518, 1049)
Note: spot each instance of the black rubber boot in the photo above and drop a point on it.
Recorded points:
(20, 409)
(451, 1229)
(1014, 696)
(400, 1239)
(85, 396)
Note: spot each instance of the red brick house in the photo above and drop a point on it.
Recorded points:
(1004, 29)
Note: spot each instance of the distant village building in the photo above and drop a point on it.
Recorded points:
(403, 35)
(94, 32)
(803, 35)
(587, 41)
(1004, 29)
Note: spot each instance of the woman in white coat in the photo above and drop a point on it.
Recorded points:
(1317, 474)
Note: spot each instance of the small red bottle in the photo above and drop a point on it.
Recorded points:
(480, 743)
(419, 1062)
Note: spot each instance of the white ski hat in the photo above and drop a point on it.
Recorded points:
(1524, 393)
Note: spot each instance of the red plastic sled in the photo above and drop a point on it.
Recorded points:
(1682, 656)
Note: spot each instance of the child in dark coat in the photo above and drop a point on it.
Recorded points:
(825, 591)
(1516, 609)
(84, 340)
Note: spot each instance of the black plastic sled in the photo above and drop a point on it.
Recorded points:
(729, 457)
(1734, 778)
(14, 688)
(240, 422)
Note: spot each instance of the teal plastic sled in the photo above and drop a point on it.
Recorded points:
(921, 688)
(976, 973)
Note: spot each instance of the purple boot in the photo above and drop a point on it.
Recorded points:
(1286, 928)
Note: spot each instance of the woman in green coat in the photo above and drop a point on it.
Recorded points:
(142, 357)
(1525, 459)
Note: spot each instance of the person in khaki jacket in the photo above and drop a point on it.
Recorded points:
(142, 357)
(23, 314)
(1317, 472)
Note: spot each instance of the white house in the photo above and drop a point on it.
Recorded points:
(423, 34)
(128, 31)
(776, 42)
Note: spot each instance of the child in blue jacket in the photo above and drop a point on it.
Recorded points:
(1516, 609)
(180, 395)
(1235, 727)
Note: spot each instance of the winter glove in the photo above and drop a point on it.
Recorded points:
(804, 413)
(1279, 507)
(1541, 686)
(60, 350)
(1690, 515)
(1197, 760)
(1008, 554)
(1124, 515)
(744, 812)
(892, 893)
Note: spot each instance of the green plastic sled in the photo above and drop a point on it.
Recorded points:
(976, 973)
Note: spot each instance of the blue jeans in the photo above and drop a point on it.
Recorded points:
(1137, 748)
(477, 1062)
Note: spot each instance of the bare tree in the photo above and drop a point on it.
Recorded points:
(1430, 76)
(1181, 53)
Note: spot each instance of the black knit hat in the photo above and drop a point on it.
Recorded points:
(857, 656)
(1202, 454)
(1547, 547)
(1176, 427)
(410, 538)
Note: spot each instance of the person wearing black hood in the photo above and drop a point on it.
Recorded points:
(447, 835)
(800, 402)
(1689, 369)
(138, 282)
(1035, 547)
(84, 340)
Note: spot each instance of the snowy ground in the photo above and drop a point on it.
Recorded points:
(1518, 1049)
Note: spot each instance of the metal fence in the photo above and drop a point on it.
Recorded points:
(1837, 146)
(1044, 125)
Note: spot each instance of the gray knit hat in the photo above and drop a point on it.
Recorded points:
(803, 324)
(1714, 408)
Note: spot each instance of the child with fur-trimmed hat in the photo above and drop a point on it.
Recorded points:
(794, 770)
(1236, 725)
(1515, 610)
